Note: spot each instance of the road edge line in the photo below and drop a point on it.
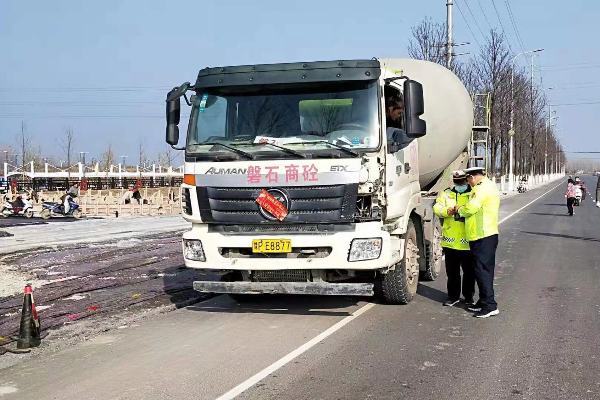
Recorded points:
(528, 204)
(254, 379)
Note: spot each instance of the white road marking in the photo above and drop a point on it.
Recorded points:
(253, 380)
(528, 204)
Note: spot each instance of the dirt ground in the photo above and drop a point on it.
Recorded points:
(89, 288)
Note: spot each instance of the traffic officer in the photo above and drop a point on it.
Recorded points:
(481, 230)
(454, 241)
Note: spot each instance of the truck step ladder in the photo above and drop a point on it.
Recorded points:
(479, 143)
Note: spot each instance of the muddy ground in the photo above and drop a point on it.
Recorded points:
(104, 285)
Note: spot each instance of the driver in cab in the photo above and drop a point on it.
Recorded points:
(394, 112)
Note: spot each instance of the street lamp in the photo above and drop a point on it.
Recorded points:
(511, 132)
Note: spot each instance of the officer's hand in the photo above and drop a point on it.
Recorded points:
(451, 210)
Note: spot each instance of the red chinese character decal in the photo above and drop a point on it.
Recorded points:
(272, 176)
(309, 173)
(291, 173)
(254, 175)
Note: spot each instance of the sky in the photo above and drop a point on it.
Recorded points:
(103, 68)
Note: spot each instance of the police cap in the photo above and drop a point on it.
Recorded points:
(459, 175)
(475, 171)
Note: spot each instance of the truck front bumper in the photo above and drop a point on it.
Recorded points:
(310, 288)
(338, 241)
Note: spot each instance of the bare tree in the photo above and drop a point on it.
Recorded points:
(66, 143)
(428, 41)
(107, 158)
(142, 158)
(169, 157)
(490, 71)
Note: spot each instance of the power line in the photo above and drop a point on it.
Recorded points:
(474, 18)
(78, 103)
(514, 24)
(484, 14)
(501, 24)
(468, 26)
(567, 67)
(84, 89)
(576, 104)
(84, 116)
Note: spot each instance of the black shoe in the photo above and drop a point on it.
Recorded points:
(469, 302)
(451, 302)
(475, 307)
(486, 313)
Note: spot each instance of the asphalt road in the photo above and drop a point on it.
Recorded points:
(544, 344)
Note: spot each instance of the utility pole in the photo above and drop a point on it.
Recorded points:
(449, 27)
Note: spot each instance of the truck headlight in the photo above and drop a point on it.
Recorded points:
(192, 250)
(365, 249)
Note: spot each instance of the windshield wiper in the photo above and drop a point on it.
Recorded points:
(284, 149)
(233, 149)
(337, 146)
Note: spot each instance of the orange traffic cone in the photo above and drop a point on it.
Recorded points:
(29, 330)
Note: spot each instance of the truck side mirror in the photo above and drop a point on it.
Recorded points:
(173, 114)
(414, 108)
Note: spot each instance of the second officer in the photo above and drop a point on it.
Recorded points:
(454, 241)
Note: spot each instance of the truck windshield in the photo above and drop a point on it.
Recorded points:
(313, 120)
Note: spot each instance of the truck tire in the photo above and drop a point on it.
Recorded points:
(433, 252)
(399, 286)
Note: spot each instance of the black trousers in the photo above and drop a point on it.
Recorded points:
(455, 260)
(570, 201)
(484, 259)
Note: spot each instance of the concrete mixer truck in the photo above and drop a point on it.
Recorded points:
(318, 177)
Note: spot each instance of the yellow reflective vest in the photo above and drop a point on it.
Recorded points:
(481, 212)
(453, 232)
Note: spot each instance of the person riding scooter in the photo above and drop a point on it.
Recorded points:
(68, 197)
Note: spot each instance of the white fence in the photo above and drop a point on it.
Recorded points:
(533, 181)
(83, 171)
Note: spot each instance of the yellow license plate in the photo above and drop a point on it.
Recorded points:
(271, 245)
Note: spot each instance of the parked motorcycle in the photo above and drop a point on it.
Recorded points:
(50, 208)
(21, 206)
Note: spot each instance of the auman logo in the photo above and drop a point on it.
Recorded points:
(226, 171)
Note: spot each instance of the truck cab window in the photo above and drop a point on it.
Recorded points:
(394, 108)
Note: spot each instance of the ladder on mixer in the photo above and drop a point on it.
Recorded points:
(480, 133)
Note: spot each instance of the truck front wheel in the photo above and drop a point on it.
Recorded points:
(399, 285)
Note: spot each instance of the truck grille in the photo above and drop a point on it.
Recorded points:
(308, 204)
(288, 275)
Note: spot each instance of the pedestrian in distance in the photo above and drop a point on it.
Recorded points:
(454, 241)
(481, 230)
(570, 196)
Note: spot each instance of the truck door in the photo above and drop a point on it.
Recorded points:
(401, 172)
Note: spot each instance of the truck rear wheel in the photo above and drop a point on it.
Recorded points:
(399, 285)
(433, 252)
